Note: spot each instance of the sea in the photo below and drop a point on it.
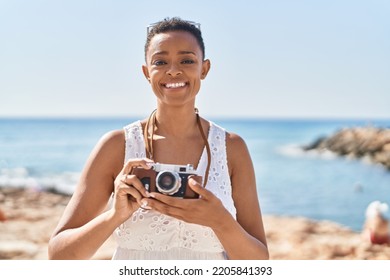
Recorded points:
(50, 154)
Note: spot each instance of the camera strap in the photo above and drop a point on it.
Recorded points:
(151, 122)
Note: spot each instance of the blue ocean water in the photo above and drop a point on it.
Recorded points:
(50, 153)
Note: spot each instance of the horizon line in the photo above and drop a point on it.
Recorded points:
(220, 117)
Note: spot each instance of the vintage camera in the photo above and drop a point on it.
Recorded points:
(168, 179)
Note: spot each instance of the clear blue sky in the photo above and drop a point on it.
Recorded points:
(310, 59)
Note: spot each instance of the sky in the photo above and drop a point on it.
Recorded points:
(269, 59)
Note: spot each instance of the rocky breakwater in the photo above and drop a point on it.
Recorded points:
(368, 143)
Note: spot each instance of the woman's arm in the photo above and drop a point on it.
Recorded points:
(85, 225)
(244, 239)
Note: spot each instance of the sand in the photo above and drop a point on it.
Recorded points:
(31, 216)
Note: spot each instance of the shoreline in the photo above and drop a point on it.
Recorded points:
(31, 217)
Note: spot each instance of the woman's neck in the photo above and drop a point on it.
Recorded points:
(177, 122)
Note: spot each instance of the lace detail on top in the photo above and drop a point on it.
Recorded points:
(149, 230)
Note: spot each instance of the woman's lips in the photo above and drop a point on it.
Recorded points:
(175, 85)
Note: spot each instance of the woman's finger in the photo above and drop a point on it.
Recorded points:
(199, 189)
(131, 163)
(126, 190)
(167, 199)
(174, 201)
(133, 181)
(170, 207)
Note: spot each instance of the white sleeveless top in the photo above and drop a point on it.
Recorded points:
(148, 234)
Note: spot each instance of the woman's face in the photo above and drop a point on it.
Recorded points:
(175, 67)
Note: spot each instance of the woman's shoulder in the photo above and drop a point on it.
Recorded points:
(107, 156)
(111, 145)
(232, 139)
(113, 137)
(235, 145)
(237, 152)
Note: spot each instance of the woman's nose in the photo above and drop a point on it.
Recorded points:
(174, 70)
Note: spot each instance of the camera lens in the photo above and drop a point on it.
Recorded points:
(168, 182)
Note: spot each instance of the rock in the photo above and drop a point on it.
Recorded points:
(369, 143)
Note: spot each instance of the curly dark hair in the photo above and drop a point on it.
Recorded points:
(175, 24)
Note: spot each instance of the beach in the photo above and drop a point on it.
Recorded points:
(332, 187)
(32, 215)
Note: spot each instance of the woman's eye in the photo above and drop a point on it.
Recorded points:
(159, 62)
(188, 61)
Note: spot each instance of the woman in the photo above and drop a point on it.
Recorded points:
(223, 222)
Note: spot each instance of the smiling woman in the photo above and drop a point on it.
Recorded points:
(211, 210)
(174, 67)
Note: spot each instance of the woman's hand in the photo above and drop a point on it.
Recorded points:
(207, 210)
(128, 189)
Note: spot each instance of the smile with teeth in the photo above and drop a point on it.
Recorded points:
(175, 85)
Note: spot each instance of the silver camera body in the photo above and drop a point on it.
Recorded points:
(169, 179)
(158, 167)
